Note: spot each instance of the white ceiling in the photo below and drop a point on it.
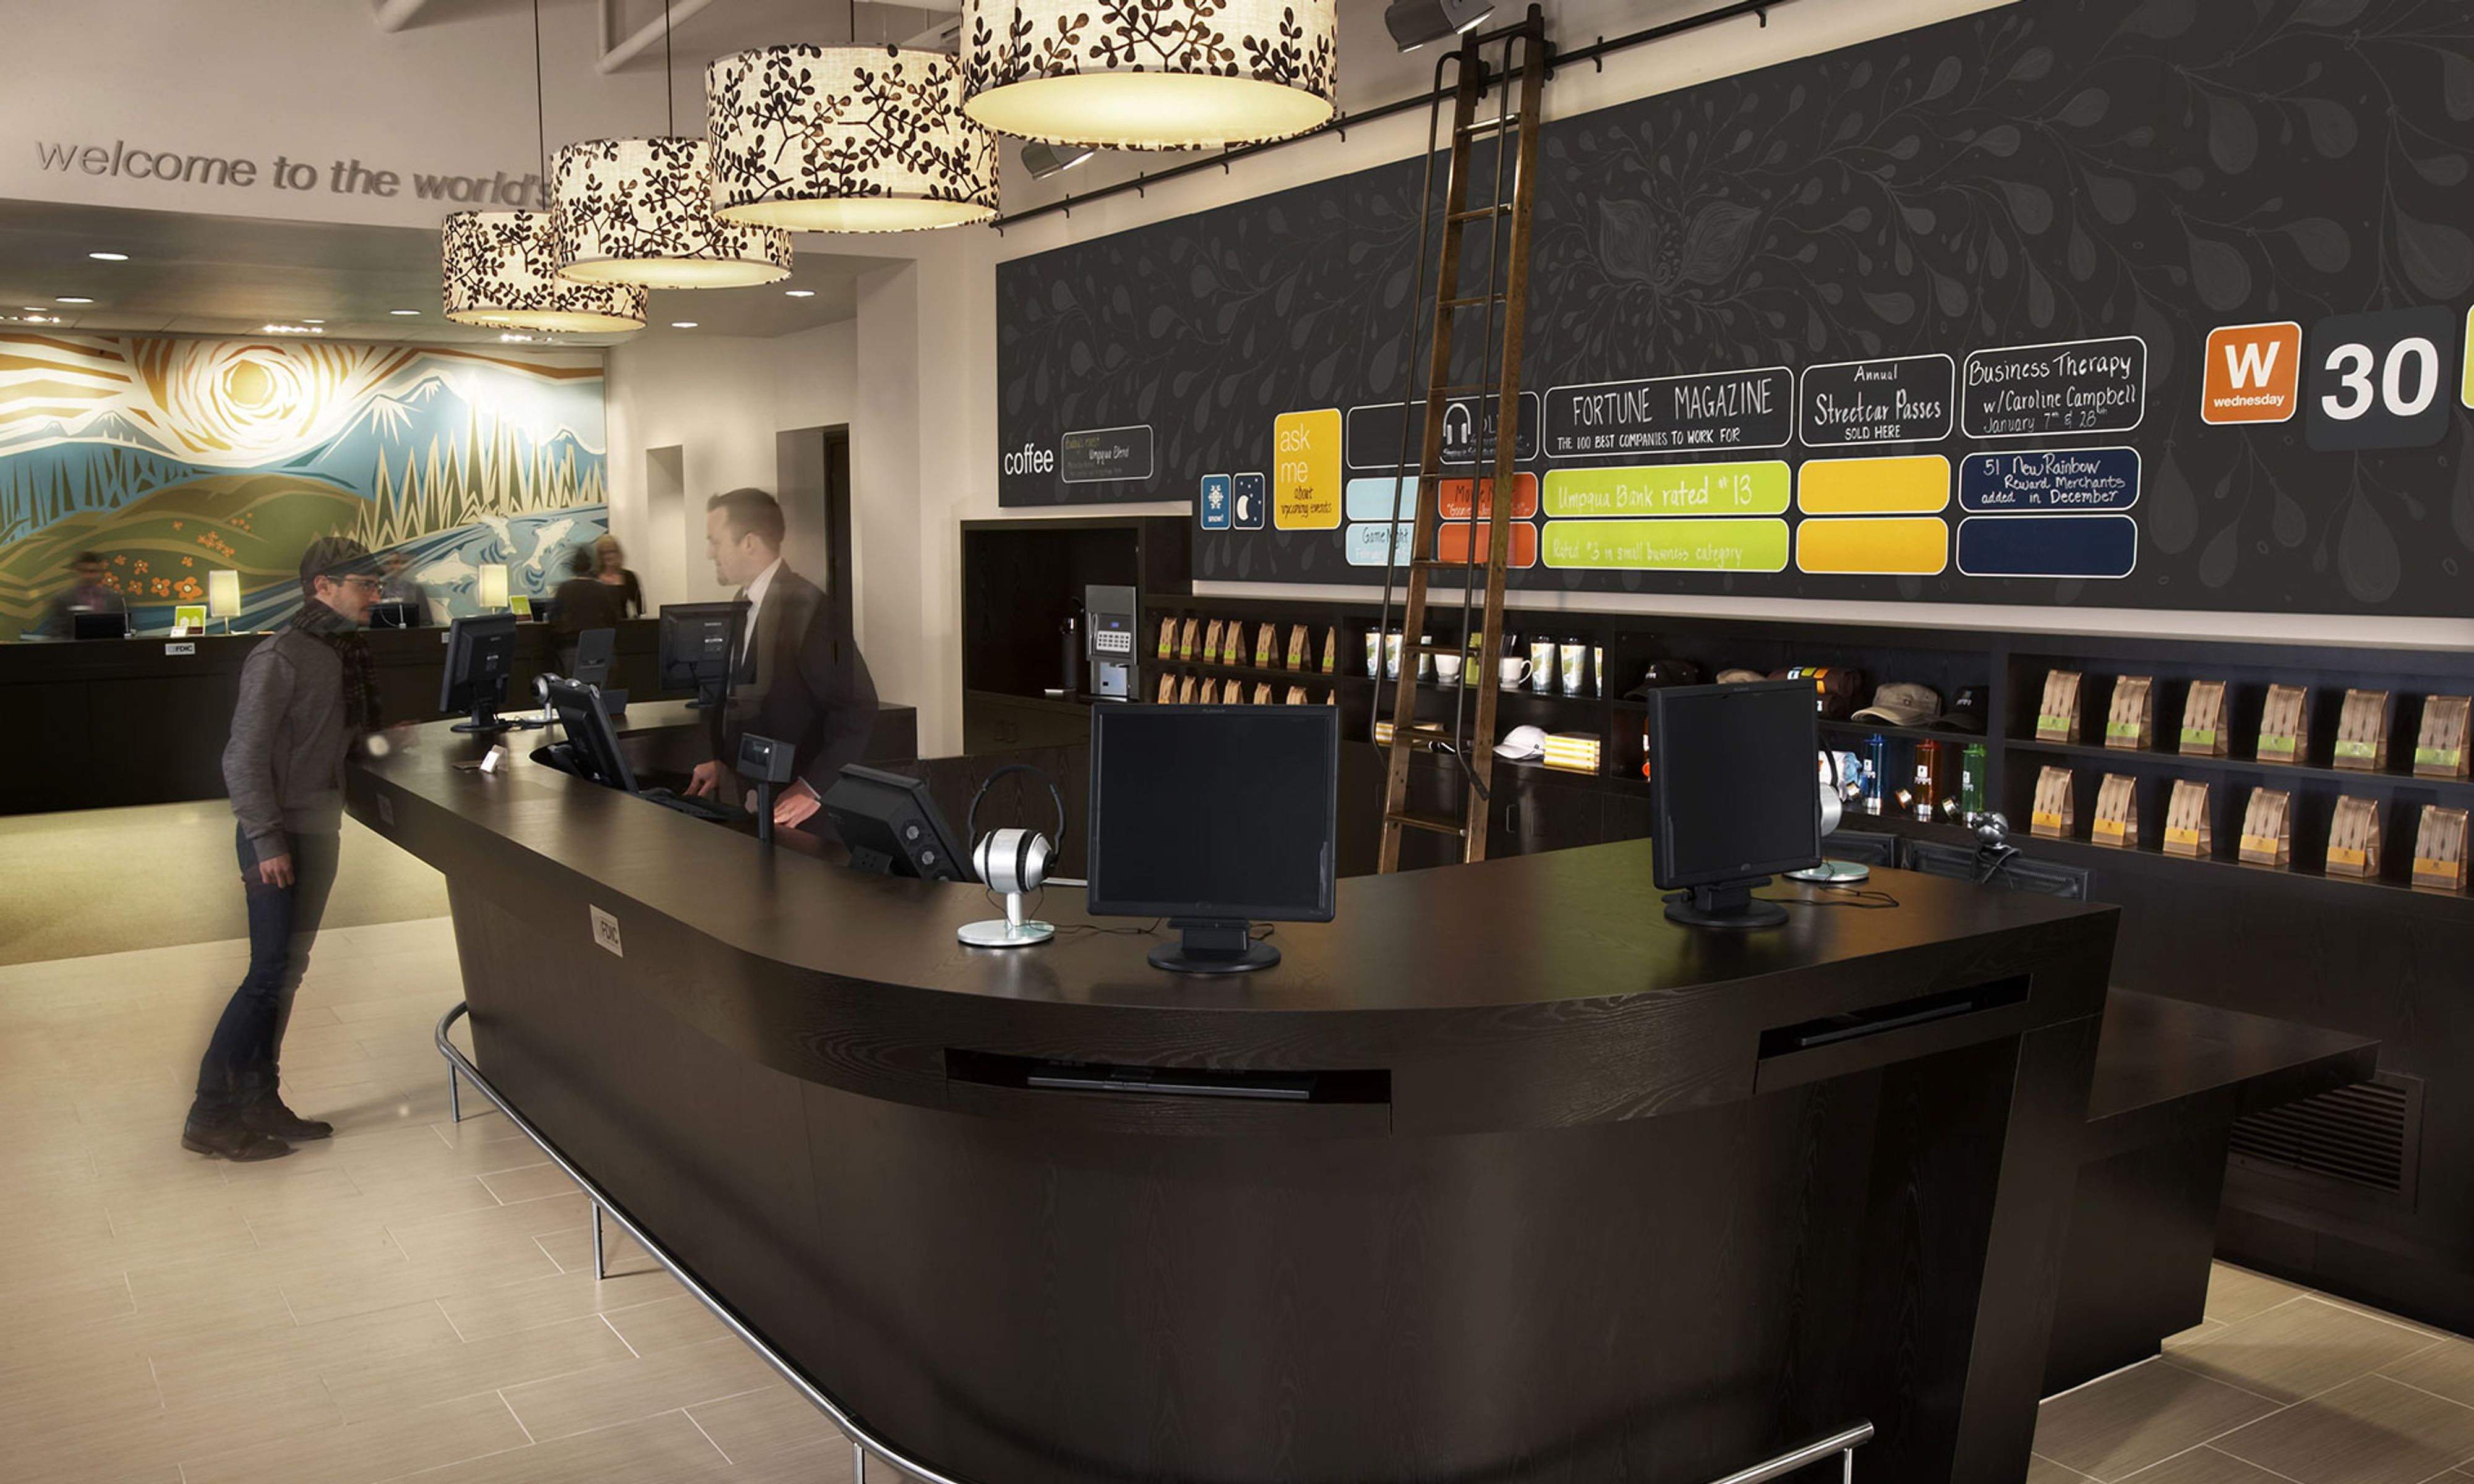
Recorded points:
(196, 274)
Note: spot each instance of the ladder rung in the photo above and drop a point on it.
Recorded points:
(1503, 208)
(1427, 822)
(1460, 390)
(1435, 649)
(1473, 299)
(1488, 126)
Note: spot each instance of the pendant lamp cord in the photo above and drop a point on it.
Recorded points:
(669, 70)
(541, 118)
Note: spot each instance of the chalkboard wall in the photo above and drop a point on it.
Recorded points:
(2154, 303)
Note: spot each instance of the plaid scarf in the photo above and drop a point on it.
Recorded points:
(352, 647)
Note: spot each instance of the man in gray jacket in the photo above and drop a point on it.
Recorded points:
(306, 696)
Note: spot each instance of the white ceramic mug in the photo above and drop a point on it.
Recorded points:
(1514, 671)
(1448, 669)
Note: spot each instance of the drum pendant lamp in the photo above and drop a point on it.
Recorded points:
(1150, 74)
(641, 211)
(846, 139)
(500, 268)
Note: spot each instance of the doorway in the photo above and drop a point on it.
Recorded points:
(813, 483)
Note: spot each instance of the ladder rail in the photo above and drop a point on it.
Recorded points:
(1508, 225)
(1507, 423)
(1408, 363)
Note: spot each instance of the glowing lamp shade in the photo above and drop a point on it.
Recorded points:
(1150, 74)
(641, 211)
(222, 594)
(500, 268)
(846, 139)
(492, 581)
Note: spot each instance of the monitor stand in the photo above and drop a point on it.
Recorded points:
(1726, 905)
(710, 695)
(1211, 945)
(486, 721)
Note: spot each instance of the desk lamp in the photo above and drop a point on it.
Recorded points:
(223, 596)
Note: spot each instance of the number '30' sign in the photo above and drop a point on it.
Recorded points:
(2381, 380)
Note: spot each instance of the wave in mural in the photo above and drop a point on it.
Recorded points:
(175, 457)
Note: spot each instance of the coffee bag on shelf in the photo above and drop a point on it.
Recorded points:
(2057, 714)
(2268, 829)
(2204, 722)
(2354, 838)
(2055, 816)
(2130, 720)
(2363, 732)
(2187, 830)
(2117, 812)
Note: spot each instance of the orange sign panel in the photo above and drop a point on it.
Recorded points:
(1455, 497)
(1452, 541)
(2254, 373)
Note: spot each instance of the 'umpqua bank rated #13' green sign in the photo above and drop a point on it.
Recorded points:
(1756, 489)
(1667, 545)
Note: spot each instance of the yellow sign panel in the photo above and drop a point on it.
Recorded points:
(1917, 486)
(1882, 546)
(1305, 470)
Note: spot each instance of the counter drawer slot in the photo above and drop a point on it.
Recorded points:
(1046, 1074)
(1923, 1010)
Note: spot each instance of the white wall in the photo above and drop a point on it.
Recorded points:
(719, 399)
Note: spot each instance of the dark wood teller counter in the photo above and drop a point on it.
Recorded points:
(1569, 1193)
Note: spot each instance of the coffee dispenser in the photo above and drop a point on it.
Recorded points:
(1108, 640)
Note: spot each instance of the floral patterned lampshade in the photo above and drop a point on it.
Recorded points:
(501, 269)
(1150, 74)
(641, 211)
(846, 139)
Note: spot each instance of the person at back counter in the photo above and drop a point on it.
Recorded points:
(803, 680)
(583, 603)
(90, 596)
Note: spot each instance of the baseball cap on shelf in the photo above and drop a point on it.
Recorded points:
(1834, 687)
(1902, 704)
(1739, 676)
(1522, 744)
(1967, 713)
(1664, 673)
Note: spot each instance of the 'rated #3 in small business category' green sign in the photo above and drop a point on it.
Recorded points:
(1667, 546)
(1754, 489)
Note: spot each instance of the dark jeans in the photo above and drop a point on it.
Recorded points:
(239, 1067)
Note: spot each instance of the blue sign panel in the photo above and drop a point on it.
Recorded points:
(2048, 545)
(2054, 479)
(1213, 505)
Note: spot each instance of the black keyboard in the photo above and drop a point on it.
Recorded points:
(698, 808)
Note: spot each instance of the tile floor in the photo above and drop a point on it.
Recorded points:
(413, 1300)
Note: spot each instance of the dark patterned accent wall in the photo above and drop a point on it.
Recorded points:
(2152, 303)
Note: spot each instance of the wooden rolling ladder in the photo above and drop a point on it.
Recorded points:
(1469, 740)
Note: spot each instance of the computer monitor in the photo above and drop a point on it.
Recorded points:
(109, 625)
(1731, 800)
(396, 615)
(595, 649)
(592, 742)
(894, 827)
(1213, 817)
(480, 652)
(699, 649)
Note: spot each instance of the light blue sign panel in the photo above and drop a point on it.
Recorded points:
(1366, 542)
(1365, 498)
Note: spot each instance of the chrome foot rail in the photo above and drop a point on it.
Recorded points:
(865, 1444)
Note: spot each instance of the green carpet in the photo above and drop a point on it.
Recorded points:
(105, 880)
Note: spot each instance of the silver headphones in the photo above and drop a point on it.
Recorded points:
(1013, 861)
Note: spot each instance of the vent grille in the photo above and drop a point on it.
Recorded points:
(2367, 1136)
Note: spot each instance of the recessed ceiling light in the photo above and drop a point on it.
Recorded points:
(72, 298)
(799, 293)
(313, 321)
(683, 324)
(403, 311)
(109, 257)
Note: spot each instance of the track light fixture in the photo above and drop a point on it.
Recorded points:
(1413, 23)
(1043, 161)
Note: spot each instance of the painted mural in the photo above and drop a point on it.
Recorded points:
(173, 458)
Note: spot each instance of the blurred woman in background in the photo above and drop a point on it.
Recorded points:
(611, 570)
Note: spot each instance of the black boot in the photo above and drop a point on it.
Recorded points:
(271, 1119)
(233, 1142)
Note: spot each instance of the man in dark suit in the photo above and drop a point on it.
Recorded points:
(802, 681)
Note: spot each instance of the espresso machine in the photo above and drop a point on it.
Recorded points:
(1108, 619)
